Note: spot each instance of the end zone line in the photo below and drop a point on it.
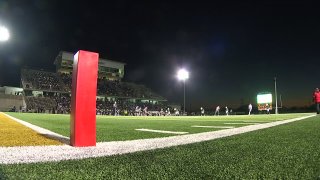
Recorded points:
(221, 127)
(42, 131)
(161, 131)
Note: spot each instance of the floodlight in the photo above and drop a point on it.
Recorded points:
(183, 74)
(4, 33)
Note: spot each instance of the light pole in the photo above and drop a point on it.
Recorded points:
(4, 33)
(275, 92)
(4, 36)
(183, 75)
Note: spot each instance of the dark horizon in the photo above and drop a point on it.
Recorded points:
(233, 50)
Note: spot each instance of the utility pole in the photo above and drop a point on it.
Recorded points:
(275, 92)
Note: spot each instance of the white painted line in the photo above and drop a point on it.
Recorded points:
(160, 131)
(220, 127)
(242, 123)
(42, 131)
(258, 121)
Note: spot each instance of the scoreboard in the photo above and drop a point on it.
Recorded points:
(264, 101)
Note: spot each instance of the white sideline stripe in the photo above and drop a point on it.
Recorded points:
(241, 123)
(221, 127)
(160, 131)
(42, 131)
(33, 154)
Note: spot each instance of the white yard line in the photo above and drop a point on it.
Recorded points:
(33, 154)
(219, 127)
(161, 131)
(257, 121)
(241, 123)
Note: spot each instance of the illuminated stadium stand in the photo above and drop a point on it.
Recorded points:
(108, 69)
(38, 86)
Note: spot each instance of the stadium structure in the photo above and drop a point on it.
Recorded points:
(50, 92)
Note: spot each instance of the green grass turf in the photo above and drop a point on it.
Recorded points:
(110, 128)
(289, 151)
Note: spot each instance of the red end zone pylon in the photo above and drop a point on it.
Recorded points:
(83, 99)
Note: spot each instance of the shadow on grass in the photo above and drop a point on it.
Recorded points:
(64, 140)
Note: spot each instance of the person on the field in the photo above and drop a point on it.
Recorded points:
(217, 111)
(227, 111)
(115, 108)
(176, 111)
(268, 108)
(145, 111)
(201, 111)
(161, 113)
(137, 111)
(14, 109)
(250, 108)
(316, 99)
(168, 112)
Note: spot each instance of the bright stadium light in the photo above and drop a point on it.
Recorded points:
(4, 33)
(183, 75)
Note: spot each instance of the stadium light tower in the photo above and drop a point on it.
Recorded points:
(4, 33)
(183, 75)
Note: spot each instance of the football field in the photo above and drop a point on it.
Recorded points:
(287, 151)
(121, 128)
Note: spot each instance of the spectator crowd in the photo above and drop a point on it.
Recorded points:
(56, 98)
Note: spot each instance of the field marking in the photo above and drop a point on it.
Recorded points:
(45, 132)
(161, 131)
(257, 121)
(34, 154)
(241, 123)
(221, 127)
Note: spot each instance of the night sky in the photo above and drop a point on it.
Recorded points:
(232, 49)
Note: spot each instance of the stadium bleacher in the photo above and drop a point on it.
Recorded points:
(55, 96)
